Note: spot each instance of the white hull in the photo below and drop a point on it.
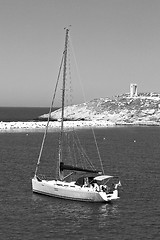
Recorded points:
(61, 189)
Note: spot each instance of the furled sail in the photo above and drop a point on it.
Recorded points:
(73, 168)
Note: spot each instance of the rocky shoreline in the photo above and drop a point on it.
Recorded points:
(55, 125)
(143, 109)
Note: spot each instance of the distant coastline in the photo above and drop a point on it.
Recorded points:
(123, 110)
(53, 125)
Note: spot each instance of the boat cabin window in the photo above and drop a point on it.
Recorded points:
(85, 181)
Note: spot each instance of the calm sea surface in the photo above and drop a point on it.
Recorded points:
(132, 153)
(21, 113)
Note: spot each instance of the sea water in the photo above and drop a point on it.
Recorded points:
(132, 153)
(21, 113)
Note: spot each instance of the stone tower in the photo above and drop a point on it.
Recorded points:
(133, 90)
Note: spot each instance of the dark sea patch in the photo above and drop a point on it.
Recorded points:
(9, 114)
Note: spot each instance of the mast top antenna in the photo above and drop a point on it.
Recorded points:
(68, 28)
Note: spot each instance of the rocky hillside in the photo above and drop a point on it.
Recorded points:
(123, 109)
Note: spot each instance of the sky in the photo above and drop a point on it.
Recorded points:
(116, 42)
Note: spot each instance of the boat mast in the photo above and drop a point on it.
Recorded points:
(63, 102)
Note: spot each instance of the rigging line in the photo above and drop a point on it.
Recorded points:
(49, 115)
(98, 151)
(79, 78)
(72, 150)
(77, 151)
(69, 95)
(84, 154)
(80, 150)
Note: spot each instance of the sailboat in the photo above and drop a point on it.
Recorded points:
(91, 185)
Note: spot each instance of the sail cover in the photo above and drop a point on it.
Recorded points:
(69, 167)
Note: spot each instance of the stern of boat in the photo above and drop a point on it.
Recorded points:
(109, 196)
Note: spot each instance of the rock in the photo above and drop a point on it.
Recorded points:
(121, 109)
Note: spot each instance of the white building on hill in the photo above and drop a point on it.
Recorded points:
(133, 90)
